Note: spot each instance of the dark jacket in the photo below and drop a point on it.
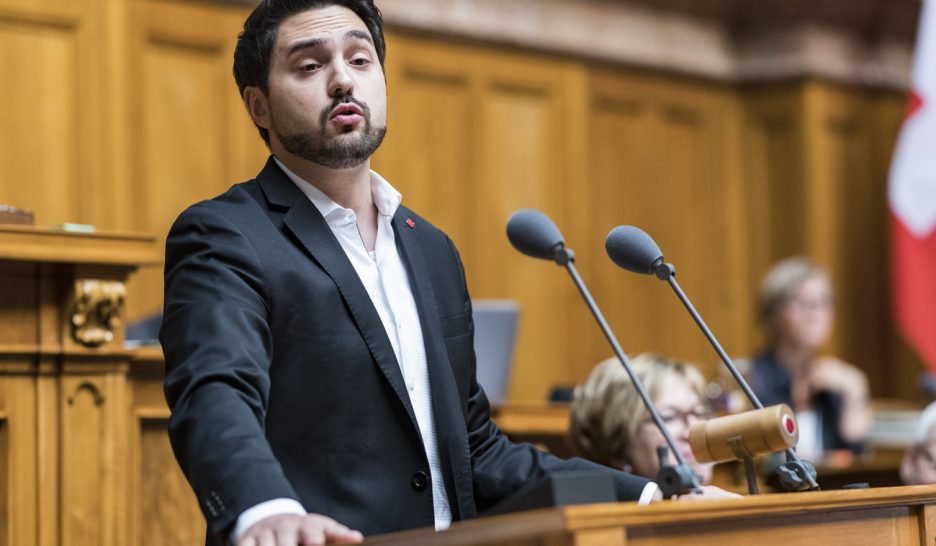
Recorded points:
(283, 383)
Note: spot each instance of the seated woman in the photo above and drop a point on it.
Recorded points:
(829, 396)
(610, 425)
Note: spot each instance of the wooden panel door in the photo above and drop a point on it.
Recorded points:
(524, 161)
(20, 463)
(774, 162)
(188, 131)
(430, 142)
(93, 470)
(658, 161)
(50, 161)
(849, 225)
(164, 509)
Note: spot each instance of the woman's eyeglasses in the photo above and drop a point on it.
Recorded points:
(671, 416)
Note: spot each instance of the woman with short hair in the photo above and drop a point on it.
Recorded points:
(610, 425)
(829, 396)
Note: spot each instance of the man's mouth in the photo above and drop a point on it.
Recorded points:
(346, 114)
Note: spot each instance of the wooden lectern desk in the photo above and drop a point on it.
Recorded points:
(66, 466)
(902, 516)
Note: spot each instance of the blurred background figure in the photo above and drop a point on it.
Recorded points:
(829, 396)
(610, 425)
(919, 462)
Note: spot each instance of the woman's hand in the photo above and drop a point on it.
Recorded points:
(832, 374)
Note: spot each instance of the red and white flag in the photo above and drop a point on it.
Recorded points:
(912, 196)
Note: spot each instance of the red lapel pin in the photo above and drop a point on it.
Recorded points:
(410, 223)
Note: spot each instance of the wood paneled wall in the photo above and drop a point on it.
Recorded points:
(120, 113)
(727, 178)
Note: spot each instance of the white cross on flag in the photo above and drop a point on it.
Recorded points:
(912, 196)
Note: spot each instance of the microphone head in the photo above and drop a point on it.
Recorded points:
(632, 249)
(534, 234)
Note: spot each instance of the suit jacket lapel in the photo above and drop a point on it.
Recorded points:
(451, 433)
(308, 226)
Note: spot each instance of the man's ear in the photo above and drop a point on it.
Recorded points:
(258, 106)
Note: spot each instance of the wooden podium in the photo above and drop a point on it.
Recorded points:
(900, 516)
(65, 428)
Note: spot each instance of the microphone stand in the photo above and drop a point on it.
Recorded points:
(795, 472)
(676, 479)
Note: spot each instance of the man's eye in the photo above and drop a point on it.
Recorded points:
(360, 61)
(309, 67)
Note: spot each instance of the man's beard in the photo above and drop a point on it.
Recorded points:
(336, 152)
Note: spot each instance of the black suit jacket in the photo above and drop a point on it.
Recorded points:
(283, 383)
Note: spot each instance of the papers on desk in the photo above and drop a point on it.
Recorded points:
(893, 428)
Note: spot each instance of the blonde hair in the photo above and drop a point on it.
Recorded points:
(782, 279)
(606, 408)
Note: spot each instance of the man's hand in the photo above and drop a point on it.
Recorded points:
(295, 530)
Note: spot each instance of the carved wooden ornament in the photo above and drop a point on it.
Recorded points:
(98, 307)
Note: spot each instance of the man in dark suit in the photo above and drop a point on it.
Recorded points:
(317, 334)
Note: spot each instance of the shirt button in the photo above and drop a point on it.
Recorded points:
(420, 480)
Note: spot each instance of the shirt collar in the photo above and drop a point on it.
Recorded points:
(386, 198)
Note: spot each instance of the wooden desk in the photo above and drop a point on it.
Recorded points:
(879, 467)
(904, 516)
(547, 426)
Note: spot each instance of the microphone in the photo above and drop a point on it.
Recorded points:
(534, 234)
(633, 249)
(744, 435)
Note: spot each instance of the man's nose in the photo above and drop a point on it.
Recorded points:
(340, 83)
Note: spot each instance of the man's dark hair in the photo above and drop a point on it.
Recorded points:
(255, 44)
